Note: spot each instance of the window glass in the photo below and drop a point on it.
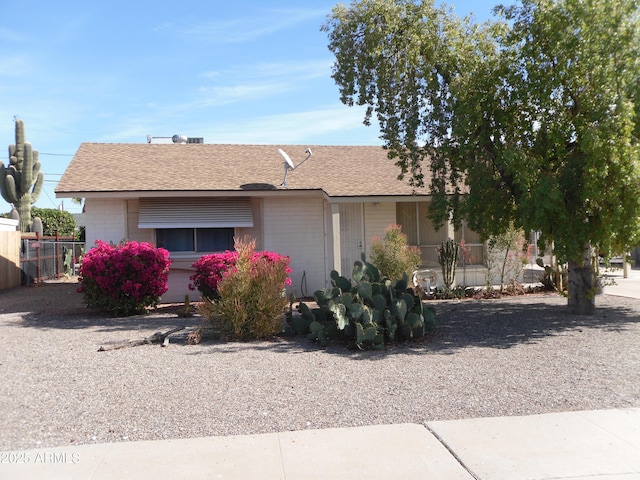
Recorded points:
(195, 239)
(214, 239)
(175, 239)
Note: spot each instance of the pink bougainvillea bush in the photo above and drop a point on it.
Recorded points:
(210, 269)
(125, 279)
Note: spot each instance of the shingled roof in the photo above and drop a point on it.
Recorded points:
(339, 171)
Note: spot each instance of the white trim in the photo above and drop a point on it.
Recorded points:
(141, 194)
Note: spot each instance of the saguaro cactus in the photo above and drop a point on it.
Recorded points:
(21, 182)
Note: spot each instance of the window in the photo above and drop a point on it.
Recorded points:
(474, 246)
(415, 222)
(200, 240)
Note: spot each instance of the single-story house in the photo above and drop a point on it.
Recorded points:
(193, 198)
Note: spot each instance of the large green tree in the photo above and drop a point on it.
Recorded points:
(532, 120)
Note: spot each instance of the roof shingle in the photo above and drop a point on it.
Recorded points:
(337, 170)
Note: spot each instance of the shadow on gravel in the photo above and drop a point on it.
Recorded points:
(501, 323)
(506, 323)
(59, 306)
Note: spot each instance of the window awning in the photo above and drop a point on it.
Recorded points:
(195, 213)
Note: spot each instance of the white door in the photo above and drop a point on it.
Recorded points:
(351, 235)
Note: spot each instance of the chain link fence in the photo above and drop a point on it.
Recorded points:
(46, 258)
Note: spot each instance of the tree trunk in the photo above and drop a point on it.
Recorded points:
(157, 337)
(582, 285)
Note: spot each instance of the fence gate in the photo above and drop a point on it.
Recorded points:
(45, 258)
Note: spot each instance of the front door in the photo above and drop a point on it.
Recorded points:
(351, 236)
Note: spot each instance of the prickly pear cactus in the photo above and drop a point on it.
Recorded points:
(21, 181)
(370, 309)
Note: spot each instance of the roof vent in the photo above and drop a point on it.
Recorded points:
(179, 139)
(195, 140)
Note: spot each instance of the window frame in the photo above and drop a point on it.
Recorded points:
(229, 231)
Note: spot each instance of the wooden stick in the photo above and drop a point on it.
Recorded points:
(157, 337)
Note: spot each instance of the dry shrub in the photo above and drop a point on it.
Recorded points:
(251, 298)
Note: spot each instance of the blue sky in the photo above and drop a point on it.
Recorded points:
(245, 71)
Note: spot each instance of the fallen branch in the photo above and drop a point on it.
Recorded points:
(157, 337)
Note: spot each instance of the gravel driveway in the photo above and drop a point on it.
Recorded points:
(513, 356)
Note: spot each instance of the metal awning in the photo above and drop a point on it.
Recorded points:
(195, 213)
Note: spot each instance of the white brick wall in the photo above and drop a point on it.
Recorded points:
(295, 227)
(105, 220)
(133, 232)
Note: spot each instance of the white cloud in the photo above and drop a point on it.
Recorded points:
(215, 96)
(11, 35)
(239, 30)
(14, 66)
(259, 81)
(306, 69)
(318, 126)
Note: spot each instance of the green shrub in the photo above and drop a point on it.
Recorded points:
(250, 301)
(368, 310)
(54, 220)
(507, 255)
(392, 255)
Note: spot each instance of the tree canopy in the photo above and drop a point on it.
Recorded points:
(532, 119)
(55, 221)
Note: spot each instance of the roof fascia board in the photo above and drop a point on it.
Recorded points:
(380, 198)
(193, 194)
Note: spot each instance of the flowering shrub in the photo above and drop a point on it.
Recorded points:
(125, 279)
(249, 301)
(392, 255)
(211, 268)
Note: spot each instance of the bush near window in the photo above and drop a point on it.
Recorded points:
(211, 268)
(249, 299)
(392, 255)
(125, 279)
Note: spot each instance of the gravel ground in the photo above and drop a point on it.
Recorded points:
(513, 356)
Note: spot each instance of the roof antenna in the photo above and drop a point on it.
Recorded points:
(289, 165)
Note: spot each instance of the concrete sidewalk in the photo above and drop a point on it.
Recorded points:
(623, 287)
(578, 445)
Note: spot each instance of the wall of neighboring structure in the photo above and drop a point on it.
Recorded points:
(295, 227)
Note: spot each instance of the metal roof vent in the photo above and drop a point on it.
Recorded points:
(195, 140)
(179, 139)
